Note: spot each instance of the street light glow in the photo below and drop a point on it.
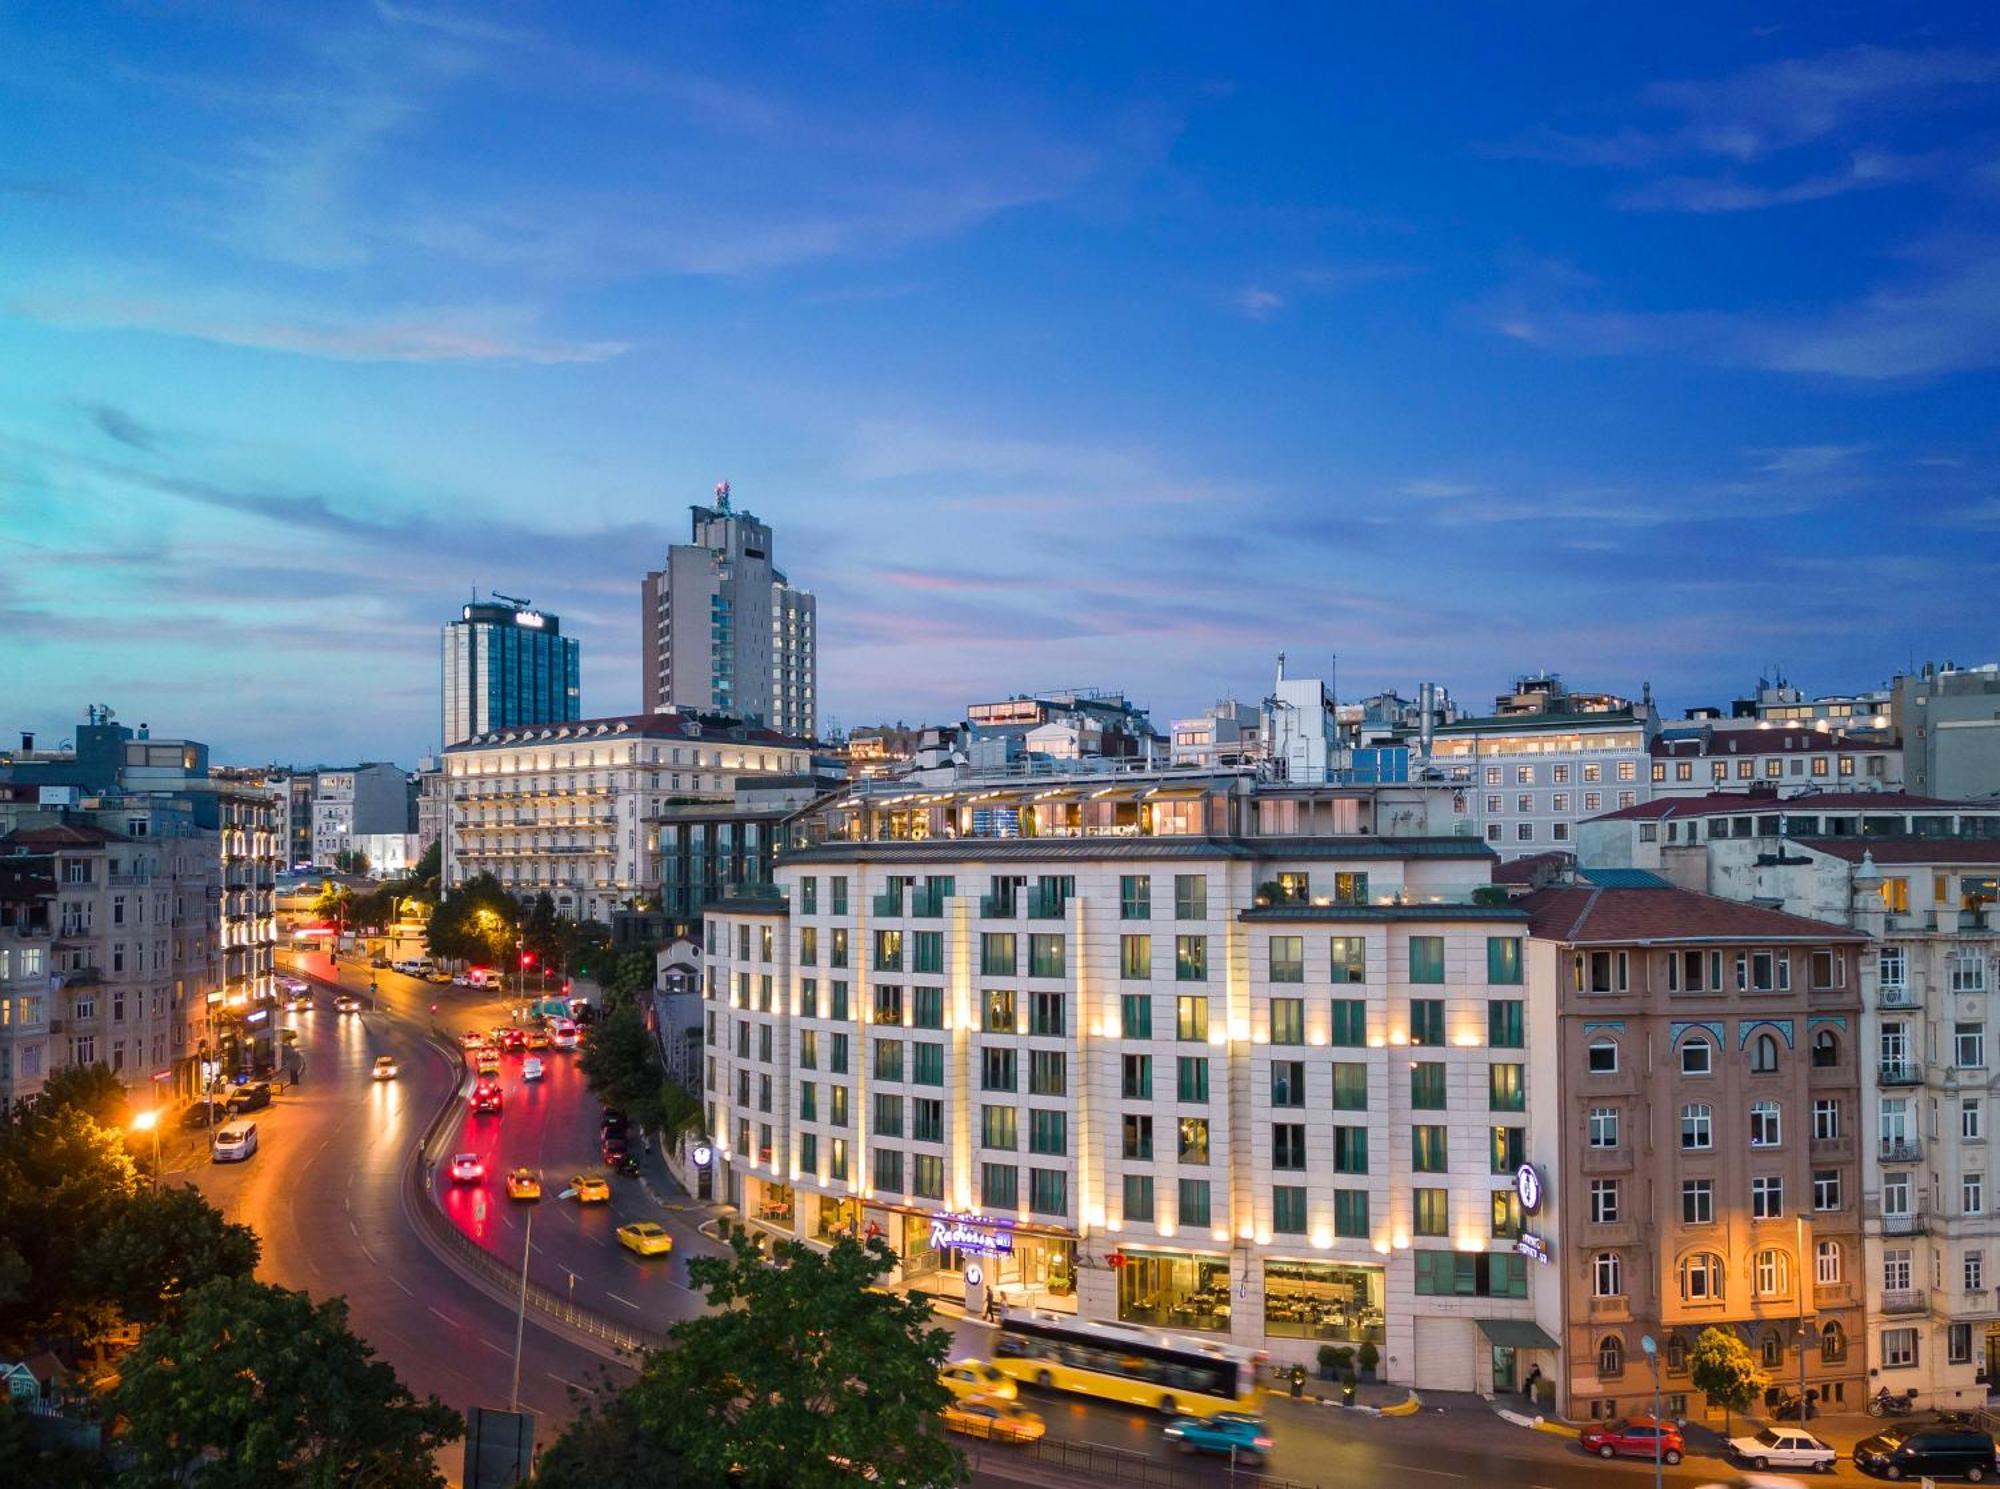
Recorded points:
(145, 1121)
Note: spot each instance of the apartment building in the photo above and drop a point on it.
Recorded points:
(1215, 1056)
(1545, 761)
(1706, 1072)
(1949, 721)
(1693, 760)
(562, 809)
(356, 803)
(27, 979)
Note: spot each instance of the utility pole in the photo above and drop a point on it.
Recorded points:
(521, 1314)
(1652, 1350)
(1801, 1221)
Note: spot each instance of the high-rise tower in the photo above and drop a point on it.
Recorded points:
(504, 665)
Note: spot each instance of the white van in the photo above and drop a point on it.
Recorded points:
(562, 1033)
(233, 1142)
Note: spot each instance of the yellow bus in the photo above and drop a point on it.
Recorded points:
(1171, 1373)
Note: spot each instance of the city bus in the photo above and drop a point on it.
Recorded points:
(1171, 1373)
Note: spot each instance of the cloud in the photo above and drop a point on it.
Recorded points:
(1805, 461)
(465, 333)
(1434, 490)
(115, 423)
(1705, 195)
(1259, 304)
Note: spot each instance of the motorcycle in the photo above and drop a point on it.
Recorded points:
(1883, 1404)
(1786, 1408)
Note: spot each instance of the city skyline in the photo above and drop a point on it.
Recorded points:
(1070, 357)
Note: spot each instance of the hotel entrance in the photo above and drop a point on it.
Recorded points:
(1026, 1268)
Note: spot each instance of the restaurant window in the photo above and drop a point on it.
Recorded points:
(1174, 1289)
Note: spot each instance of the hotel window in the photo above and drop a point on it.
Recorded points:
(1288, 959)
(1288, 1021)
(1135, 956)
(1350, 1213)
(1350, 1087)
(1135, 897)
(927, 1007)
(1288, 1083)
(1138, 1197)
(1135, 1016)
(1048, 1132)
(999, 1127)
(928, 952)
(808, 946)
(836, 955)
(1193, 1202)
(1427, 1021)
(1047, 955)
(1190, 897)
(1510, 1149)
(888, 1170)
(888, 1116)
(1428, 1154)
(928, 1064)
(1504, 1029)
(997, 954)
(1350, 1022)
(1191, 1017)
(808, 1102)
(1136, 1072)
(1288, 1209)
(889, 1005)
(836, 889)
(1697, 1201)
(1349, 959)
(1191, 958)
(1603, 1127)
(1350, 1150)
(927, 1176)
(1048, 1191)
(808, 998)
(1000, 1012)
(1506, 1088)
(809, 895)
(997, 1071)
(1426, 959)
(999, 1186)
(1503, 960)
(1191, 1078)
(926, 1118)
(1048, 1073)
(1433, 1212)
(1427, 1085)
(1767, 1197)
(1193, 1146)
(1506, 1206)
(1288, 1145)
(888, 1059)
(837, 1105)
(837, 1054)
(1047, 1014)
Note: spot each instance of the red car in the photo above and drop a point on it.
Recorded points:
(513, 1041)
(466, 1168)
(1641, 1437)
(486, 1097)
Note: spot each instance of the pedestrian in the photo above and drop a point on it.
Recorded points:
(993, 1305)
(1534, 1379)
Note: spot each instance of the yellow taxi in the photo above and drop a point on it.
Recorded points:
(488, 1066)
(647, 1237)
(977, 1378)
(522, 1184)
(993, 1419)
(591, 1189)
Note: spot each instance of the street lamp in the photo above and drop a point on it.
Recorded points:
(149, 1121)
(1659, 1433)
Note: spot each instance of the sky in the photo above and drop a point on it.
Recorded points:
(1080, 345)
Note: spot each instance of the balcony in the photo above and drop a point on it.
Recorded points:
(1834, 1294)
(1610, 1310)
(1832, 1149)
(1902, 1150)
(1902, 1073)
(1908, 1223)
(890, 902)
(1895, 997)
(1905, 1301)
(1616, 1160)
(998, 907)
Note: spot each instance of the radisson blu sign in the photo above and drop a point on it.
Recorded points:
(986, 1235)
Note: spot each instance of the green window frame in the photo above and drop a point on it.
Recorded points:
(927, 1063)
(1350, 1213)
(1048, 954)
(1191, 958)
(1191, 1017)
(1048, 1191)
(1428, 1148)
(836, 893)
(927, 1176)
(999, 1127)
(927, 1008)
(1287, 956)
(1135, 957)
(1288, 1209)
(1509, 1149)
(1432, 1212)
(1190, 897)
(1135, 1016)
(888, 1059)
(998, 954)
(1426, 959)
(1136, 1077)
(1138, 1197)
(1193, 1207)
(1191, 1078)
(1048, 1073)
(1135, 897)
(1347, 958)
(927, 951)
(1427, 1022)
(1048, 1132)
(1506, 1088)
(1288, 1021)
(1048, 1014)
(1350, 1023)
(1350, 1150)
(999, 1186)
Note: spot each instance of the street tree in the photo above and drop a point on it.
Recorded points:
(351, 861)
(268, 1390)
(64, 1177)
(800, 1374)
(622, 1066)
(607, 1446)
(1722, 1368)
(160, 1246)
(90, 1089)
(475, 922)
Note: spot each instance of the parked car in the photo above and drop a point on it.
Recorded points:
(205, 1114)
(378, 960)
(1637, 1437)
(1783, 1447)
(249, 1098)
(1235, 1432)
(1927, 1450)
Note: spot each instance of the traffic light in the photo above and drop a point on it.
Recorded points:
(527, 959)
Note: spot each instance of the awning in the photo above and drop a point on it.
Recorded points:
(1515, 1333)
(1177, 793)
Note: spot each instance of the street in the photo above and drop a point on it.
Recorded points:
(322, 1193)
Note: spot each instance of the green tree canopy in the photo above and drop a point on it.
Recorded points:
(424, 878)
(351, 861)
(27, 1459)
(64, 1177)
(800, 1372)
(275, 1392)
(622, 1066)
(1722, 1368)
(160, 1246)
(90, 1089)
(475, 922)
(609, 1447)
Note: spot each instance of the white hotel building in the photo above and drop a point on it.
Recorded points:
(1184, 1050)
(563, 808)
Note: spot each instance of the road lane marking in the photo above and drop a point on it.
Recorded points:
(505, 1353)
(367, 1253)
(445, 1316)
(1434, 1472)
(626, 1301)
(403, 1285)
(568, 1382)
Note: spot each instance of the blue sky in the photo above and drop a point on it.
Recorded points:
(1069, 345)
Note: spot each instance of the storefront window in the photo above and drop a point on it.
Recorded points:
(1174, 1289)
(1323, 1300)
(774, 1204)
(838, 1217)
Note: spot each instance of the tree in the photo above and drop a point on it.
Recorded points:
(1722, 1368)
(333, 901)
(26, 1457)
(542, 931)
(90, 1089)
(64, 1177)
(475, 922)
(800, 1372)
(351, 861)
(631, 974)
(609, 1447)
(160, 1247)
(622, 1066)
(273, 1391)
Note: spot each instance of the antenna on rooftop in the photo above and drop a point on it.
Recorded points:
(722, 496)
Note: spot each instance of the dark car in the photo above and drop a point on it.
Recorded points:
(249, 1098)
(1940, 1451)
(205, 1114)
(615, 1124)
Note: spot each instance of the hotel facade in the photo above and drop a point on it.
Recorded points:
(1194, 1052)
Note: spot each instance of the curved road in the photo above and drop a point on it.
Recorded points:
(324, 1196)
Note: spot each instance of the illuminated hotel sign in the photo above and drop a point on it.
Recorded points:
(987, 1236)
(1530, 1244)
(1528, 1184)
(532, 619)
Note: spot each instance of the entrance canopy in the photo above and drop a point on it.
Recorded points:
(1515, 1333)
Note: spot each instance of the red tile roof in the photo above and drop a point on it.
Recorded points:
(1580, 915)
(1535, 865)
(62, 835)
(1729, 803)
(1979, 851)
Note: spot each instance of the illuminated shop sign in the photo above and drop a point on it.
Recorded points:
(1528, 1184)
(987, 1236)
(1530, 1244)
